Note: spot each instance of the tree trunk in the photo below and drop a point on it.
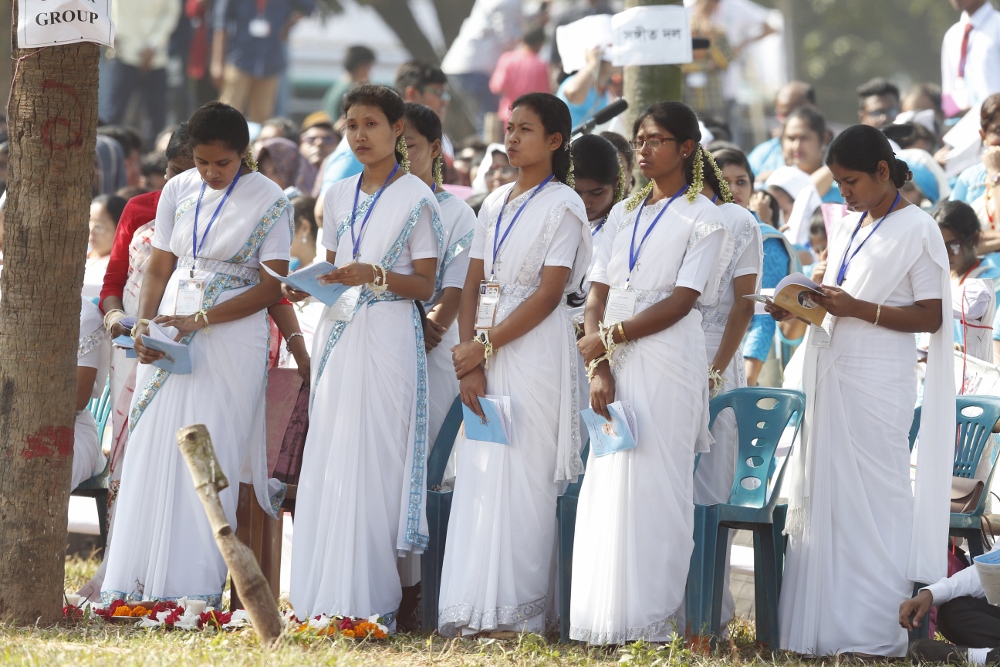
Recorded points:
(651, 83)
(53, 122)
(451, 16)
(399, 18)
(5, 43)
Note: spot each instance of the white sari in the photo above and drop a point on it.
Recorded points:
(163, 547)
(713, 480)
(859, 534)
(459, 222)
(635, 520)
(500, 553)
(363, 480)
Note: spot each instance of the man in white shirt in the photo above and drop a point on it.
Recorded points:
(142, 35)
(970, 57)
(964, 617)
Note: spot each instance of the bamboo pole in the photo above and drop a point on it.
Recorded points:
(196, 447)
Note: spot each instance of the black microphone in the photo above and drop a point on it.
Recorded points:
(700, 43)
(602, 116)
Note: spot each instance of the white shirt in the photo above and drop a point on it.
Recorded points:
(982, 62)
(494, 26)
(961, 584)
(144, 25)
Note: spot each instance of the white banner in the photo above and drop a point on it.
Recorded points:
(51, 22)
(652, 35)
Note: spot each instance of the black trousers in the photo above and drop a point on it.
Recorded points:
(969, 621)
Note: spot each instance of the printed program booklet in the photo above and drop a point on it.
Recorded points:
(794, 294)
(618, 435)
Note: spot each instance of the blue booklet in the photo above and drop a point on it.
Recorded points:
(307, 280)
(494, 426)
(176, 356)
(127, 344)
(618, 435)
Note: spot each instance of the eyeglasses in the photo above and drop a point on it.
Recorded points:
(318, 139)
(652, 142)
(440, 92)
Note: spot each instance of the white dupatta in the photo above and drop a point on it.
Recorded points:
(936, 446)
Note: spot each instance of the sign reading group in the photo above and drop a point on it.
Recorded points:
(51, 22)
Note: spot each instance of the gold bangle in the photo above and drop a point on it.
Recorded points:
(113, 317)
(621, 332)
(878, 314)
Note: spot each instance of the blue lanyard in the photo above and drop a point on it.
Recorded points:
(599, 227)
(496, 233)
(356, 240)
(846, 261)
(633, 252)
(195, 245)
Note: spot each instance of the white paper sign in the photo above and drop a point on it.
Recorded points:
(51, 22)
(652, 35)
(575, 39)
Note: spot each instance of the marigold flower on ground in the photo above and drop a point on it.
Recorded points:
(122, 610)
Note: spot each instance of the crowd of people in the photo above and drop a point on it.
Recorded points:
(555, 271)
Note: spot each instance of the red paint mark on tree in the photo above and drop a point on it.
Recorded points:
(75, 139)
(50, 442)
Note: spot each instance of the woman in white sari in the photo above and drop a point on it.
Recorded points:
(725, 324)
(533, 239)
(665, 248)
(363, 480)
(859, 534)
(212, 293)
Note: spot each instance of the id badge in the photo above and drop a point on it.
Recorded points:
(189, 297)
(259, 27)
(821, 335)
(486, 311)
(343, 309)
(620, 306)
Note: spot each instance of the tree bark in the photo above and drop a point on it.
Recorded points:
(451, 16)
(651, 83)
(5, 43)
(53, 122)
(196, 446)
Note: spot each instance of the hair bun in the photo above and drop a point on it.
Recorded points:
(900, 172)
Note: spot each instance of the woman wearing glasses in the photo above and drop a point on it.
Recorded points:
(665, 251)
(972, 281)
(860, 534)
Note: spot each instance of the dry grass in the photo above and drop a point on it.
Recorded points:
(96, 644)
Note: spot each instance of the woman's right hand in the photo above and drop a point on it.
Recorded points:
(779, 314)
(602, 390)
(471, 388)
(146, 356)
(590, 347)
(293, 294)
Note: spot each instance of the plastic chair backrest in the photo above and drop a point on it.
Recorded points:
(101, 409)
(574, 488)
(975, 417)
(762, 415)
(438, 460)
(915, 427)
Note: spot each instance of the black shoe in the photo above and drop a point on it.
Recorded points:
(408, 616)
(931, 651)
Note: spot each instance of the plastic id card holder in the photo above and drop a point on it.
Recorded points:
(486, 310)
(189, 297)
(343, 309)
(821, 335)
(620, 306)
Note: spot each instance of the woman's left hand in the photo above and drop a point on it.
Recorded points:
(467, 356)
(352, 275)
(836, 301)
(184, 324)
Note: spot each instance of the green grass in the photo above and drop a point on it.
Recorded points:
(93, 643)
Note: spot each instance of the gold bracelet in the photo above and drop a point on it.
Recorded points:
(202, 314)
(136, 326)
(113, 317)
(878, 314)
(621, 332)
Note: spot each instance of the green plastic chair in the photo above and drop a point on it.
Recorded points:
(438, 509)
(975, 417)
(566, 506)
(762, 415)
(97, 486)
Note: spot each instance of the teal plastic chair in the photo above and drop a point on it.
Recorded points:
(762, 415)
(97, 486)
(566, 506)
(975, 417)
(438, 509)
